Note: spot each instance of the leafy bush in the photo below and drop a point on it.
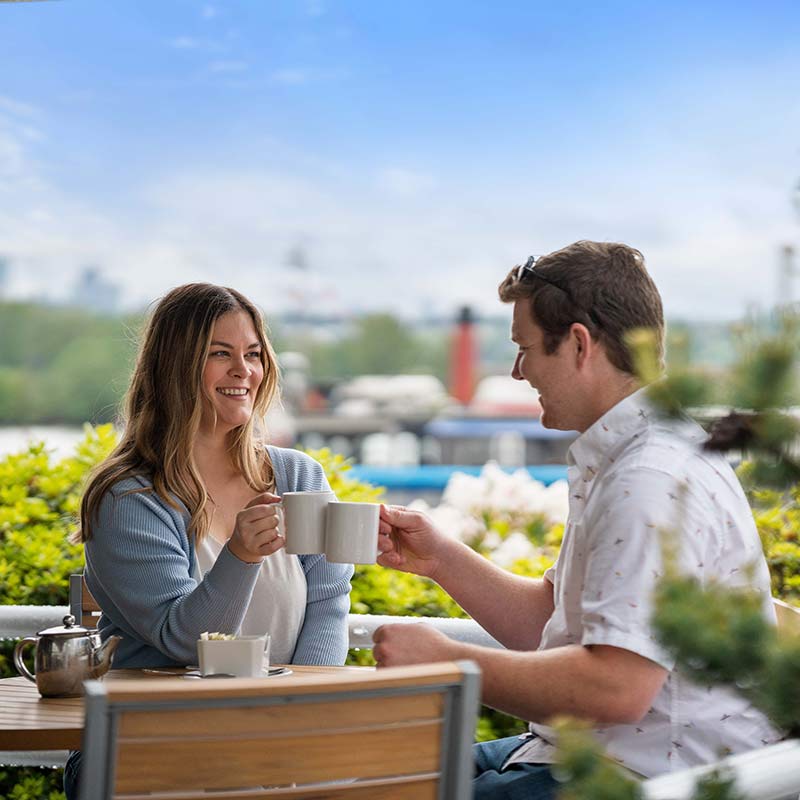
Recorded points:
(777, 516)
(39, 499)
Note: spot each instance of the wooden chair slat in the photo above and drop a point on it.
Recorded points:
(256, 720)
(417, 787)
(209, 764)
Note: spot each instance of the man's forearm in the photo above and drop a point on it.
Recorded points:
(511, 608)
(602, 684)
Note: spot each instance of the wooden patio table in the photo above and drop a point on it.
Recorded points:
(31, 722)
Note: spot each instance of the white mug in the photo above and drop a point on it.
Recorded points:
(304, 521)
(351, 533)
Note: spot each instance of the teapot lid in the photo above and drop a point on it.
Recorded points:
(68, 629)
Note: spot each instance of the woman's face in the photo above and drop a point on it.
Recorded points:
(232, 373)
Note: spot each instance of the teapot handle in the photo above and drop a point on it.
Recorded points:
(18, 662)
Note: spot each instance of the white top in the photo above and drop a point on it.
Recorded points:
(278, 603)
(632, 475)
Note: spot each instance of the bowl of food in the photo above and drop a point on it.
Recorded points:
(226, 654)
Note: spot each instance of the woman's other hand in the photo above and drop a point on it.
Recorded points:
(256, 533)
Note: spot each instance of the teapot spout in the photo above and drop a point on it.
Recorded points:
(104, 655)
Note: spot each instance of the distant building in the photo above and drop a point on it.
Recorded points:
(94, 292)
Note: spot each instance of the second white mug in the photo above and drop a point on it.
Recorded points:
(351, 535)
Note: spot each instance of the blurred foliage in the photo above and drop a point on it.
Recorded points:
(377, 344)
(62, 365)
(67, 365)
(584, 772)
(587, 775)
(31, 783)
(777, 517)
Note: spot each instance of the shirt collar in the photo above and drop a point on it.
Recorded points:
(603, 439)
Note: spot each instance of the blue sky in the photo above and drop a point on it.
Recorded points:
(411, 151)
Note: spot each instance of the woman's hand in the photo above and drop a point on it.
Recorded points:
(409, 542)
(256, 533)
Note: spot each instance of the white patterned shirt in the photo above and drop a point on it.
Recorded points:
(632, 475)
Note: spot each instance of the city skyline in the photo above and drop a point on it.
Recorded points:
(352, 157)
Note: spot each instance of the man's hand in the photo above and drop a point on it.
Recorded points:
(411, 643)
(409, 542)
(256, 533)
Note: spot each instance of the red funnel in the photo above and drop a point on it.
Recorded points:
(463, 355)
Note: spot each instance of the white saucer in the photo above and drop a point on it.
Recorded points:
(270, 672)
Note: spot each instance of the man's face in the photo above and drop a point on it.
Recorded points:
(551, 375)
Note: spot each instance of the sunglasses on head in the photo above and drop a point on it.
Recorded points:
(528, 269)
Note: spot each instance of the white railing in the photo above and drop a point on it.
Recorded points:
(19, 621)
(770, 773)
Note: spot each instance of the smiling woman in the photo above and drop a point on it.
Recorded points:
(180, 524)
(233, 372)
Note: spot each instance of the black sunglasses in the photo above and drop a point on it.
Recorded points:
(529, 268)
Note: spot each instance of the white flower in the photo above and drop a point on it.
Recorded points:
(452, 521)
(515, 546)
(498, 493)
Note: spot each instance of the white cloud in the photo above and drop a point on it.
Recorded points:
(186, 43)
(18, 108)
(404, 182)
(315, 8)
(291, 77)
(227, 66)
(209, 11)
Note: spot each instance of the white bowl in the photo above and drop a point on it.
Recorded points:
(245, 656)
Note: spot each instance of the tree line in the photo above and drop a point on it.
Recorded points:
(69, 366)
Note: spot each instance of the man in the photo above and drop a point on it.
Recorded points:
(579, 640)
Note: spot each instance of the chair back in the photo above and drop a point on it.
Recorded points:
(402, 733)
(82, 605)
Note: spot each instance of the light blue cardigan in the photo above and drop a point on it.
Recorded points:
(139, 567)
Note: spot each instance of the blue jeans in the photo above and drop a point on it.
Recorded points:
(517, 782)
(71, 774)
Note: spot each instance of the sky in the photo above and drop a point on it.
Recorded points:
(369, 155)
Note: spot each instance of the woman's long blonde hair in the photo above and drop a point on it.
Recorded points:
(164, 405)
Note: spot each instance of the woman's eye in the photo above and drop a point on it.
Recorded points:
(219, 353)
(254, 354)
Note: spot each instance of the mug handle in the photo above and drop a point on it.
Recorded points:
(281, 517)
(18, 662)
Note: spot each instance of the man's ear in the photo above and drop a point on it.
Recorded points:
(582, 342)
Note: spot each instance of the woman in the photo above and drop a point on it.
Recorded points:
(179, 523)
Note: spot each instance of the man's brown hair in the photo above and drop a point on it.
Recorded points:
(602, 285)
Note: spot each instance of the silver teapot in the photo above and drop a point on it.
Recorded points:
(65, 658)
